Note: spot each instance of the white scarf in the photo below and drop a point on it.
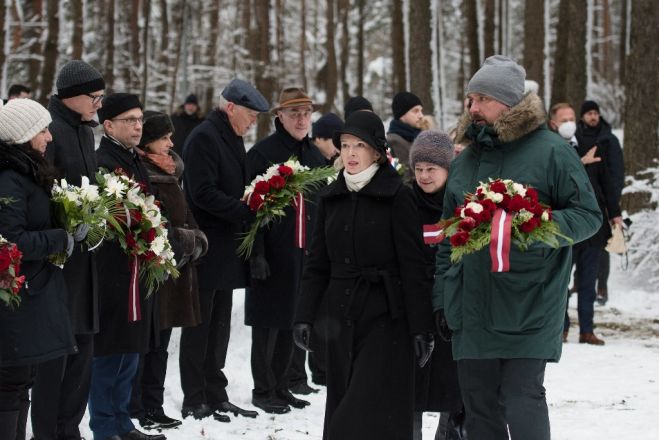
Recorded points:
(355, 182)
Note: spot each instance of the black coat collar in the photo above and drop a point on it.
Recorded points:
(385, 183)
(57, 107)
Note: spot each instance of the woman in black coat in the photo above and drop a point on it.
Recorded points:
(38, 329)
(436, 385)
(367, 260)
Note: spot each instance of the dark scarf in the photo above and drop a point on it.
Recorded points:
(403, 130)
(431, 203)
(484, 136)
(24, 160)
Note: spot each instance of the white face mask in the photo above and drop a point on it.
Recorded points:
(567, 130)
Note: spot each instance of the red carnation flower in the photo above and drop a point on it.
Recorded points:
(457, 211)
(484, 216)
(503, 204)
(5, 260)
(488, 205)
(149, 235)
(262, 187)
(517, 203)
(498, 187)
(149, 255)
(467, 224)
(130, 241)
(532, 194)
(255, 202)
(19, 283)
(528, 226)
(459, 238)
(285, 170)
(277, 182)
(135, 216)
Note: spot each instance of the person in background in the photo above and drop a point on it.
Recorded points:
(61, 388)
(436, 385)
(119, 341)
(19, 91)
(178, 299)
(355, 104)
(506, 326)
(276, 262)
(321, 135)
(38, 329)
(594, 131)
(407, 110)
(586, 255)
(214, 182)
(367, 268)
(186, 118)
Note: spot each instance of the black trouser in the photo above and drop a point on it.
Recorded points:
(502, 395)
(149, 383)
(204, 350)
(15, 383)
(60, 393)
(272, 350)
(604, 269)
(297, 372)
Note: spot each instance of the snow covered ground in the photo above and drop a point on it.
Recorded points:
(609, 392)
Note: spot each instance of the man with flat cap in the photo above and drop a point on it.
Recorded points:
(508, 324)
(120, 340)
(61, 389)
(214, 181)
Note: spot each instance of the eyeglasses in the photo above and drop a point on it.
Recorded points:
(297, 114)
(130, 121)
(95, 98)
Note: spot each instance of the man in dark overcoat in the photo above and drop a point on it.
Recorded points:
(214, 182)
(276, 263)
(185, 119)
(62, 385)
(119, 342)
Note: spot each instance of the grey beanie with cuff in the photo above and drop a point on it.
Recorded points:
(434, 147)
(500, 78)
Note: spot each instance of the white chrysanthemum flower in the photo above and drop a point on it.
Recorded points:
(519, 189)
(115, 187)
(158, 245)
(545, 216)
(476, 208)
(89, 193)
(524, 215)
(495, 197)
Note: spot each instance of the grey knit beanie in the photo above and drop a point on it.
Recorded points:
(434, 147)
(500, 78)
(78, 78)
(21, 120)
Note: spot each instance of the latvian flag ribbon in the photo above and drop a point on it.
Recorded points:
(432, 234)
(500, 241)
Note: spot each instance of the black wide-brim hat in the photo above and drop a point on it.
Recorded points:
(368, 127)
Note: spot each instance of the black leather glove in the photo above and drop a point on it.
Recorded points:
(424, 343)
(69, 244)
(259, 267)
(302, 335)
(80, 232)
(442, 327)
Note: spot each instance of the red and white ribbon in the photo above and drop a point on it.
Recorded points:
(432, 234)
(134, 312)
(300, 221)
(500, 241)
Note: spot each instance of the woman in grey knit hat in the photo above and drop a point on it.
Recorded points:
(436, 385)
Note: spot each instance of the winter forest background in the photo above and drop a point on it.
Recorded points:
(162, 50)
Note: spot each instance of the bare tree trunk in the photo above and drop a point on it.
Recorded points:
(361, 8)
(398, 46)
(261, 56)
(534, 42)
(211, 52)
(344, 10)
(178, 18)
(163, 56)
(329, 70)
(471, 17)
(488, 29)
(146, 13)
(78, 23)
(641, 109)
(108, 75)
(3, 35)
(50, 52)
(134, 31)
(623, 40)
(303, 44)
(569, 83)
(34, 14)
(421, 75)
(280, 10)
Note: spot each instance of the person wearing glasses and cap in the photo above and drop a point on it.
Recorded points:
(62, 385)
(276, 262)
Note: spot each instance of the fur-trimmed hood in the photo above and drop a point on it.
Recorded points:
(520, 120)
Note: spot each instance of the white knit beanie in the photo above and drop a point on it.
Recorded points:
(21, 120)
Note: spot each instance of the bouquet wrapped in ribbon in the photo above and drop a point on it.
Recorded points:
(76, 205)
(280, 186)
(499, 213)
(135, 221)
(10, 267)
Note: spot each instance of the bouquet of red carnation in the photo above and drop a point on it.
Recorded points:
(137, 224)
(10, 267)
(499, 213)
(280, 186)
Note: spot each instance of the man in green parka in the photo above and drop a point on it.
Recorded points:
(506, 325)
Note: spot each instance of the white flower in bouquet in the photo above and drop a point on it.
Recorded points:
(114, 186)
(519, 189)
(158, 245)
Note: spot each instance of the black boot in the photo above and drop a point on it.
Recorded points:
(21, 423)
(8, 422)
(455, 426)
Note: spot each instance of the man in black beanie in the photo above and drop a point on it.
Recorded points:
(321, 134)
(119, 342)
(185, 119)
(59, 396)
(407, 110)
(355, 104)
(594, 131)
